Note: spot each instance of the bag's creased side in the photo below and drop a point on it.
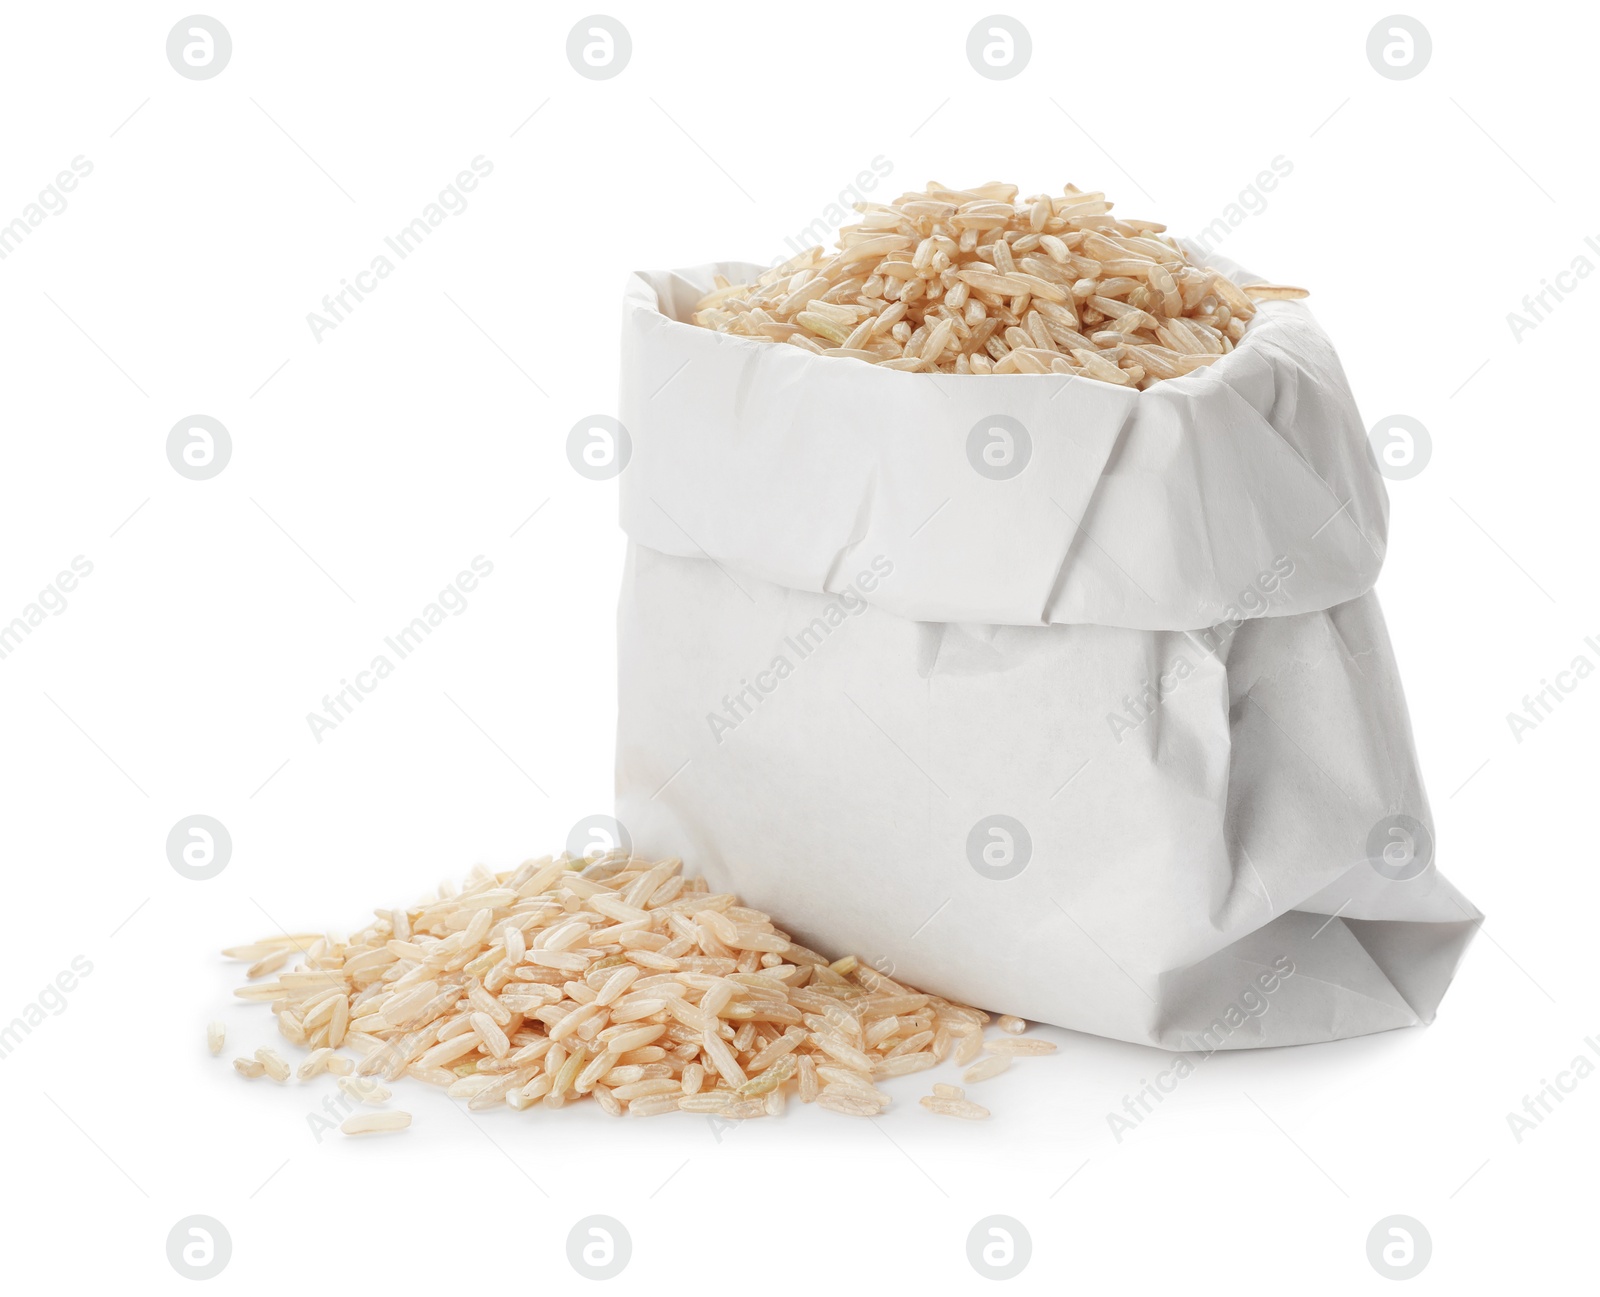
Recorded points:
(838, 766)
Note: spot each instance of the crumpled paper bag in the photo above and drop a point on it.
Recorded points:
(1058, 699)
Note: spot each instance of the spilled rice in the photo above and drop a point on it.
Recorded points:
(616, 980)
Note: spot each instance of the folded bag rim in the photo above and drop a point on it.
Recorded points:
(1153, 509)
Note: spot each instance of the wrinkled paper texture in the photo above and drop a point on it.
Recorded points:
(1154, 650)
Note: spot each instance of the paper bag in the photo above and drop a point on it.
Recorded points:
(1055, 698)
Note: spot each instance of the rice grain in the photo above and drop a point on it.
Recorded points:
(957, 1107)
(272, 1063)
(989, 1067)
(1017, 1047)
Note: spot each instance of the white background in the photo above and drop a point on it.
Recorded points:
(372, 465)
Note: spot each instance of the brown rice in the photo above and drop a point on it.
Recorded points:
(972, 281)
(615, 979)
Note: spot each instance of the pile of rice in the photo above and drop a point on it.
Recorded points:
(615, 979)
(971, 281)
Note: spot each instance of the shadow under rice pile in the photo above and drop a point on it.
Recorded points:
(613, 979)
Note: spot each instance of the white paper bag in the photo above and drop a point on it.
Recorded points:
(1059, 699)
